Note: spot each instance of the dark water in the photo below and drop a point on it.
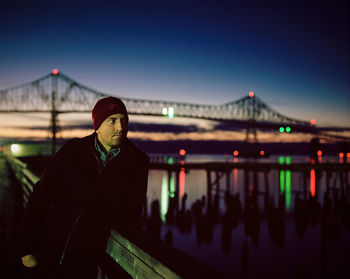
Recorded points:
(279, 224)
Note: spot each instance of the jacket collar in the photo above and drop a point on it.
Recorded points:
(89, 143)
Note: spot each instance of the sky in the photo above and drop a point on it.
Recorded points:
(294, 55)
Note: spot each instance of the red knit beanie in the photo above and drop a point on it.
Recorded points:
(106, 107)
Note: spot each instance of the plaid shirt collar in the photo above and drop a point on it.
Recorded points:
(105, 156)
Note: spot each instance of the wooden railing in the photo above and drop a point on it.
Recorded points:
(134, 260)
(131, 255)
(26, 178)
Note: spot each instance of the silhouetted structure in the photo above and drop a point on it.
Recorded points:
(57, 93)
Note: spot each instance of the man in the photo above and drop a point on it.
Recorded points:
(92, 185)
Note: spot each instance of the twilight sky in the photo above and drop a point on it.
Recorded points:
(294, 55)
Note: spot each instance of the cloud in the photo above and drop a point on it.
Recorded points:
(133, 126)
(164, 128)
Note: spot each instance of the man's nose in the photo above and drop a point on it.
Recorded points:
(118, 125)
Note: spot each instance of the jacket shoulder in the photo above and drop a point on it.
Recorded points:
(142, 156)
(77, 143)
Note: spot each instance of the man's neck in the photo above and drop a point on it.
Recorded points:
(106, 147)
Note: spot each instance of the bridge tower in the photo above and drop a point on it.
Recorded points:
(251, 135)
(54, 120)
(252, 109)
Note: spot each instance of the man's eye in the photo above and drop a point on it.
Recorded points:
(111, 121)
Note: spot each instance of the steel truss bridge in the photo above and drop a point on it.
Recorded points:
(57, 93)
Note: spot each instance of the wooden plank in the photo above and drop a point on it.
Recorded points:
(151, 255)
(31, 177)
(138, 252)
(135, 261)
(25, 176)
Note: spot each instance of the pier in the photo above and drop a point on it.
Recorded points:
(256, 166)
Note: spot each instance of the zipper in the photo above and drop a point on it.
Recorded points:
(69, 236)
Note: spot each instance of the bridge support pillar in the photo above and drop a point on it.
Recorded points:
(53, 113)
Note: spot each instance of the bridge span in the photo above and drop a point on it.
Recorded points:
(56, 93)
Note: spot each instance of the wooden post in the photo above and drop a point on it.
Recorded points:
(208, 188)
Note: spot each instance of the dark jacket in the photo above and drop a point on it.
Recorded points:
(76, 203)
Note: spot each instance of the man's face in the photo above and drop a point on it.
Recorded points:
(113, 130)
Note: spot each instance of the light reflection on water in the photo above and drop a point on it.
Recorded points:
(276, 224)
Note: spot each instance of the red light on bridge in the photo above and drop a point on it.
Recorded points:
(182, 152)
(262, 152)
(348, 155)
(319, 153)
(341, 155)
(313, 121)
(235, 153)
(55, 72)
(251, 94)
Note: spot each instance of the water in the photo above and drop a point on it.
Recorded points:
(282, 224)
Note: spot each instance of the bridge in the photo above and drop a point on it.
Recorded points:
(56, 93)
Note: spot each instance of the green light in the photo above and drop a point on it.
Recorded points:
(172, 186)
(288, 129)
(171, 160)
(171, 112)
(288, 190)
(281, 129)
(164, 198)
(288, 160)
(281, 160)
(282, 182)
